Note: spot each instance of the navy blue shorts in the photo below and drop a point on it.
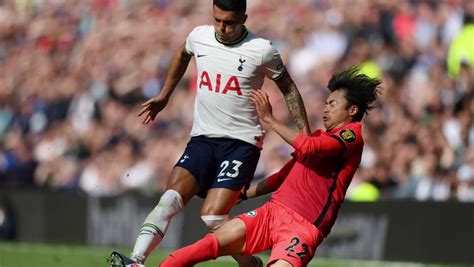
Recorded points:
(220, 162)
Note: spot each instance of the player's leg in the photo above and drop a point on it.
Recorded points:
(216, 207)
(227, 240)
(186, 180)
(295, 239)
(237, 161)
(246, 234)
(214, 213)
(181, 187)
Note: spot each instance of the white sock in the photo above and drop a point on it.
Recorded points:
(155, 225)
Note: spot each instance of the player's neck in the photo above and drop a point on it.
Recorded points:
(338, 126)
(237, 40)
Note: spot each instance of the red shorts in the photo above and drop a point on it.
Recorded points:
(291, 237)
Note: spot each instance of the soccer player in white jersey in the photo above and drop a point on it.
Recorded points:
(226, 138)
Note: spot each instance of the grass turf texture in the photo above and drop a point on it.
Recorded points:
(46, 255)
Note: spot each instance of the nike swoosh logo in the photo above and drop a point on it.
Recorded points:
(201, 55)
(223, 179)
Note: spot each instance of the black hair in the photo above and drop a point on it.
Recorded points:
(237, 6)
(361, 90)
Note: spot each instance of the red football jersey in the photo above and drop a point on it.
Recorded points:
(324, 165)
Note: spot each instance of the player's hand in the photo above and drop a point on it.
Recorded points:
(262, 104)
(152, 107)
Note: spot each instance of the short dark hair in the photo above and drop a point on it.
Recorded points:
(361, 90)
(237, 6)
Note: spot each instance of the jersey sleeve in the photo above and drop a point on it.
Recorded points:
(350, 136)
(324, 144)
(272, 64)
(189, 47)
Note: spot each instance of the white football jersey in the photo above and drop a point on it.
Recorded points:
(226, 73)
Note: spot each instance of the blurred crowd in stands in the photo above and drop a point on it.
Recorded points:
(73, 74)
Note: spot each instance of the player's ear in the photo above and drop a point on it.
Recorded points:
(353, 110)
(244, 18)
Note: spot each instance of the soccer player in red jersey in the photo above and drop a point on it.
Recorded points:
(310, 188)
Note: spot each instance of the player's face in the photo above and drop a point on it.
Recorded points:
(337, 111)
(228, 24)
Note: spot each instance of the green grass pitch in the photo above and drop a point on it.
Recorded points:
(46, 255)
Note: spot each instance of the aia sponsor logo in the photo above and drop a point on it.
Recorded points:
(232, 84)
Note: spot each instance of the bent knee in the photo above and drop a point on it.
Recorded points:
(170, 204)
(213, 222)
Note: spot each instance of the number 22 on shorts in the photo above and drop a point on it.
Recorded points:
(295, 241)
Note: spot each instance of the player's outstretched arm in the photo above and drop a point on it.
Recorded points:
(305, 144)
(178, 65)
(294, 102)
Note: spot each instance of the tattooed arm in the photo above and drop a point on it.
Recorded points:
(294, 102)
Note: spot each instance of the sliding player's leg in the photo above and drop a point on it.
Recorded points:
(295, 239)
(246, 234)
(227, 240)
